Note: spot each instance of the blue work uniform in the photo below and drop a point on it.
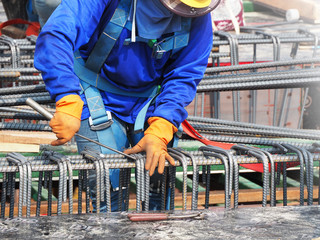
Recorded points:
(77, 25)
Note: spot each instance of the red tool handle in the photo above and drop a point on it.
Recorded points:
(139, 217)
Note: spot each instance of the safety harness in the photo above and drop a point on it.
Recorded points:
(91, 81)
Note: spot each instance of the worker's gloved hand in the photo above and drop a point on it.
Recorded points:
(67, 119)
(154, 143)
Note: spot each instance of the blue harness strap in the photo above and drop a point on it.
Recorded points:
(109, 36)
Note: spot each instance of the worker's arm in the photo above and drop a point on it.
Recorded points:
(181, 78)
(184, 72)
(69, 27)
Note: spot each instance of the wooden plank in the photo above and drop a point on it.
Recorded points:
(245, 196)
(7, 136)
(44, 208)
(18, 147)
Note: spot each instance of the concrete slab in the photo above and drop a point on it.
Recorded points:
(246, 223)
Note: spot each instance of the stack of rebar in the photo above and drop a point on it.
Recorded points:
(20, 80)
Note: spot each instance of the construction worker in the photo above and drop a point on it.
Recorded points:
(122, 72)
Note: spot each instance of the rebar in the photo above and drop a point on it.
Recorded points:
(39, 193)
(178, 155)
(49, 193)
(249, 131)
(3, 195)
(80, 183)
(301, 161)
(107, 185)
(263, 65)
(195, 179)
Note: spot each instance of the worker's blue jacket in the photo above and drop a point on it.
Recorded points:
(77, 24)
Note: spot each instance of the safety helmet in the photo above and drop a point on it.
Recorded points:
(190, 8)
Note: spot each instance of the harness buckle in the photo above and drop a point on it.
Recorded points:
(103, 125)
(157, 51)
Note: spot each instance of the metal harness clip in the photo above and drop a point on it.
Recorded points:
(101, 125)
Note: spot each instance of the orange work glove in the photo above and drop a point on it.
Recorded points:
(154, 143)
(67, 118)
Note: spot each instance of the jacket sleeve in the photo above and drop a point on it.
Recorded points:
(69, 27)
(184, 72)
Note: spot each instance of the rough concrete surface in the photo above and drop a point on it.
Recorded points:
(246, 223)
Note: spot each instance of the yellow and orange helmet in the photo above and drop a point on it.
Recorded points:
(190, 8)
